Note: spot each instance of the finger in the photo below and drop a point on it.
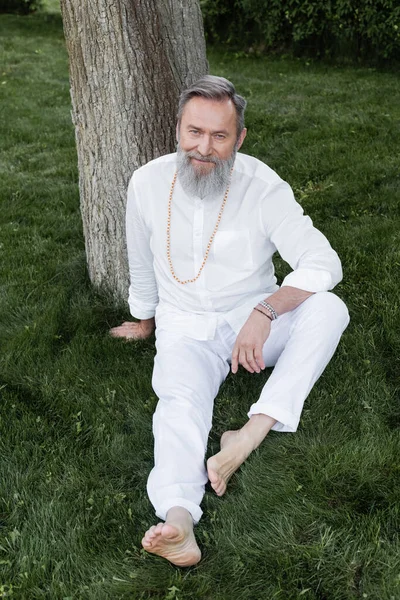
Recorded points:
(235, 357)
(259, 358)
(126, 330)
(118, 331)
(243, 361)
(124, 325)
(121, 327)
(135, 333)
(251, 361)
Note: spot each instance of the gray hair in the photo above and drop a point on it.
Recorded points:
(214, 88)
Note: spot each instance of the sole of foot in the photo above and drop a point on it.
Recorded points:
(173, 543)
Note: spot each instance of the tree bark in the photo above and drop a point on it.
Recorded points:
(129, 61)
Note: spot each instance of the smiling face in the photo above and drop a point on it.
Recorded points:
(208, 142)
(208, 130)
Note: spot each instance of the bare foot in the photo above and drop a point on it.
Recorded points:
(235, 448)
(174, 539)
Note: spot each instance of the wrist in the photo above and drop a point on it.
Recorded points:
(263, 312)
(148, 324)
(267, 307)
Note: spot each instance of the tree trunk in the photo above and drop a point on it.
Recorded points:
(129, 61)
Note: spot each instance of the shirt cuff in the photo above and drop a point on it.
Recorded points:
(309, 280)
(141, 310)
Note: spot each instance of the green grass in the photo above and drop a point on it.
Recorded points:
(314, 515)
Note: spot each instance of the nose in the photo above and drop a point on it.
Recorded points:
(205, 145)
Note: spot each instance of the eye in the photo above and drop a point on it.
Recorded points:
(194, 131)
(219, 136)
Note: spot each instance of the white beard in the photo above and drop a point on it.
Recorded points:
(203, 182)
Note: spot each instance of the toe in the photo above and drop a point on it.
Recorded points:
(219, 487)
(159, 527)
(213, 477)
(212, 474)
(216, 484)
(145, 543)
(150, 534)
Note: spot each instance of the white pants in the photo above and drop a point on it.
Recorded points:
(187, 376)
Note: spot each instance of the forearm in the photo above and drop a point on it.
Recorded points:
(143, 293)
(287, 298)
(315, 265)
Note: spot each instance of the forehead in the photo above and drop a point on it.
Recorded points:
(209, 114)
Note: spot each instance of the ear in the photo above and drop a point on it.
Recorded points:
(241, 138)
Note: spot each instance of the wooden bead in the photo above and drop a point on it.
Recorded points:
(209, 243)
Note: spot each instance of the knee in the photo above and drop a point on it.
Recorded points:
(176, 393)
(329, 308)
(179, 402)
(181, 415)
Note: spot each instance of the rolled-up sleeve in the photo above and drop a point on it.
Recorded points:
(316, 266)
(143, 293)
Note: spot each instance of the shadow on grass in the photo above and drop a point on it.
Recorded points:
(39, 24)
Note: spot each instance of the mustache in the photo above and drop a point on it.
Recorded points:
(198, 156)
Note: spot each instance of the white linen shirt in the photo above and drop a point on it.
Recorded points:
(261, 217)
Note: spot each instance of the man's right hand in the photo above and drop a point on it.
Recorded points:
(129, 330)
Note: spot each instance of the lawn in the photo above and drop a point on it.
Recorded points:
(312, 515)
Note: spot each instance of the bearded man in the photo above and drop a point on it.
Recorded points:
(202, 226)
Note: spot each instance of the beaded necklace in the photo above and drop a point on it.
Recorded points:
(171, 267)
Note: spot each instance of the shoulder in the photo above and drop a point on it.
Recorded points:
(150, 182)
(254, 169)
(265, 187)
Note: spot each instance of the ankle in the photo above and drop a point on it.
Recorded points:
(256, 429)
(178, 514)
(245, 443)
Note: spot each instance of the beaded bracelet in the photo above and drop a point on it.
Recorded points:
(270, 308)
(263, 313)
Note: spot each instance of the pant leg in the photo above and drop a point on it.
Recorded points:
(302, 341)
(186, 378)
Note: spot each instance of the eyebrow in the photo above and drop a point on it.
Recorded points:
(213, 132)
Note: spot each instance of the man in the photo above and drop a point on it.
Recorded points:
(202, 226)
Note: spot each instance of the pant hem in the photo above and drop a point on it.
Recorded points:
(287, 423)
(191, 507)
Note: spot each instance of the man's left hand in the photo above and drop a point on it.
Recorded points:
(130, 330)
(249, 343)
